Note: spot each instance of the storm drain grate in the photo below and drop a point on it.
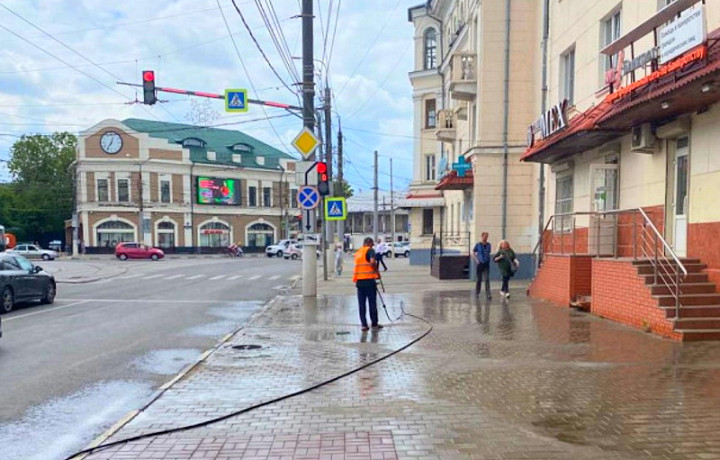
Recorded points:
(247, 347)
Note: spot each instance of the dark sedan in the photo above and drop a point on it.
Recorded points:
(21, 281)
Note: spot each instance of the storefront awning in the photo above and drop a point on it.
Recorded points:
(425, 199)
(452, 181)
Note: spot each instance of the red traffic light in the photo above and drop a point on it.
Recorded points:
(148, 75)
(321, 168)
(323, 177)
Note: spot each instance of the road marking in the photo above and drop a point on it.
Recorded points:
(294, 277)
(253, 278)
(233, 278)
(152, 276)
(195, 277)
(174, 277)
(61, 307)
(219, 277)
(274, 277)
(129, 277)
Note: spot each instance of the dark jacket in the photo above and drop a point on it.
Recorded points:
(507, 258)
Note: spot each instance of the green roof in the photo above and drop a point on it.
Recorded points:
(220, 141)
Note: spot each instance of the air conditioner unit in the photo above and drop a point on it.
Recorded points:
(643, 139)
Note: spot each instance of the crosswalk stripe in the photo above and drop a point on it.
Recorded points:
(294, 277)
(195, 277)
(128, 277)
(274, 277)
(219, 277)
(174, 277)
(232, 278)
(152, 276)
(252, 278)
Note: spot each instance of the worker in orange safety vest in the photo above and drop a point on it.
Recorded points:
(365, 275)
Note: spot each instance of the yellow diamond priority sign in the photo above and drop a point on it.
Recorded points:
(306, 142)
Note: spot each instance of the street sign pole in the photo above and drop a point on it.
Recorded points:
(309, 262)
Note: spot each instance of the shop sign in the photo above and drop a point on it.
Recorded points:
(694, 55)
(641, 60)
(215, 231)
(686, 32)
(549, 122)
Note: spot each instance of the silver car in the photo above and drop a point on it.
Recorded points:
(30, 251)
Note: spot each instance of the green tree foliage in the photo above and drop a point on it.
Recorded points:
(40, 197)
(346, 188)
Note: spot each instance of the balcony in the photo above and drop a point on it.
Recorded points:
(463, 77)
(446, 122)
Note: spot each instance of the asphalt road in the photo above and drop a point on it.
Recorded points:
(70, 370)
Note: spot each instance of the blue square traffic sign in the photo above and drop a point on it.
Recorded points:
(335, 208)
(236, 100)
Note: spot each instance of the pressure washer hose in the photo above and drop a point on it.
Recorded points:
(271, 401)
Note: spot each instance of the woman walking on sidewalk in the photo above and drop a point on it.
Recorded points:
(507, 263)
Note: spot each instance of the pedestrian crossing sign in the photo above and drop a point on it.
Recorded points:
(335, 208)
(236, 100)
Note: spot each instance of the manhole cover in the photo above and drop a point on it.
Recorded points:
(342, 333)
(246, 347)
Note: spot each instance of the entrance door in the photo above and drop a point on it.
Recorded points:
(604, 195)
(680, 198)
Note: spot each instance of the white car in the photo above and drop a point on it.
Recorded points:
(397, 249)
(279, 249)
(294, 252)
(30, 251)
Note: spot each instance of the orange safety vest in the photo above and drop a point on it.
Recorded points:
(364, 270)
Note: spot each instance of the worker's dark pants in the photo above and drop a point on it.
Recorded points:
(368, 293)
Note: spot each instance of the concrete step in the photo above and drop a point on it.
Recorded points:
(694, 335)
(691, 278)
(647, 269)
(685, 288)
(689, 299)
(698, 323)
(684, 261)
(694, 311)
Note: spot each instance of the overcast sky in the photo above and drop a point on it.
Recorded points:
(188, 45)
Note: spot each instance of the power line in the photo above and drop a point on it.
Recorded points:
(272, 23)
(332, 42)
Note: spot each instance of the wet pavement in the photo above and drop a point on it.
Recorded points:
(497, 380)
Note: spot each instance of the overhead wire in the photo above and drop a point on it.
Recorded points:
(272, 24)
(282, 39)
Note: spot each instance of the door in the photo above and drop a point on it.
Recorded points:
(680, 196)
(602, 239)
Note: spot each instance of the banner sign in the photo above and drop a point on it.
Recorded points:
(684, 33)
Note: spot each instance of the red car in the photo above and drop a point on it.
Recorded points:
(124, 251)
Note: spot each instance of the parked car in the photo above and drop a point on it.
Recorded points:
(397, 249)
(31, 251)
(280, 248)
(21, 281)
(124, 251)
(294, 252)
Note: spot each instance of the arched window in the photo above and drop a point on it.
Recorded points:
(112, 232)
(214, 235)
(260, 235)
(166, 234)
(430, 41)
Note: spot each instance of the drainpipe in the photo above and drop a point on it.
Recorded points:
(441, 58)
(506, 116)
(543, 107)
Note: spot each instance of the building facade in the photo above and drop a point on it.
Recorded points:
(182, 188)
(474, 91)
(360, 219)
(631, 134)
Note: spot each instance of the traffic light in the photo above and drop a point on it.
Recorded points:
(148, 77)
(323, 186)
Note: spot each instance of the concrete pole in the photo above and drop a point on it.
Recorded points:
(309, 265)
(392, 209)
(328, 235)
(341, 184)
(375, 198)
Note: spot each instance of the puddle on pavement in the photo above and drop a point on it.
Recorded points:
(166, 362)
(217, 329)
(62, 426)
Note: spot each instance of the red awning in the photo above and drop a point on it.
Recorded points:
(451, 181)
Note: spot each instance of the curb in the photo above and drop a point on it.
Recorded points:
(130, 416)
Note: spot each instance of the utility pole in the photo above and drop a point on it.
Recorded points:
(141, 223)
(309, 260)
(383, 219)
(392, 211)
(75, 223)
(341, 183)
(328, 236)
(375, 198)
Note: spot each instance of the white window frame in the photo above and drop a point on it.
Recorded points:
(293, 198)
(270, 195)
(615, 21)
(164, 178)
(97, 189)
(426, 57)
(426, 114)
(566, 224)
(430, 168)
(158, 231)
(567, 76)
(604, 166)
(117, 189)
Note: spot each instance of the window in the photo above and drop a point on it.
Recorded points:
(430, 115)
(293, 198)
(214, 235)
(427, 222)
(267, 197)
(567, 76)
(563, 200)
(610, 31)
(429, 167)
(102, 190)
(123, 190)
(110, 233)
(165, 191)
(166, 234)
(430, 43)
(252, 196)
(260, 235)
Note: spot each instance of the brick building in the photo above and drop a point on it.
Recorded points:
(630, 133)
(180, 187)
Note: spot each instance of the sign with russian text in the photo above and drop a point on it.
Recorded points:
(684, 33)
(549, 122)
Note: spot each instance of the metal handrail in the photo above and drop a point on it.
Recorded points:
(662, 239)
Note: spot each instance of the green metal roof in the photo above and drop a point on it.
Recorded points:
(220, 141)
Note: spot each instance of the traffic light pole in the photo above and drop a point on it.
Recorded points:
(309, 260)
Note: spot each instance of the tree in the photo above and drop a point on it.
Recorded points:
(347, 190)
(42, 186)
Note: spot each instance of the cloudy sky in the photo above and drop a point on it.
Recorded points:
(60, 60)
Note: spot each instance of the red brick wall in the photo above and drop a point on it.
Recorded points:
(704, 243)
(562, 278)
(625, 228)
(562, 243)
(619, 294)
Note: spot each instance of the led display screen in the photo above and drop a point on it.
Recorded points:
(211, 190)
